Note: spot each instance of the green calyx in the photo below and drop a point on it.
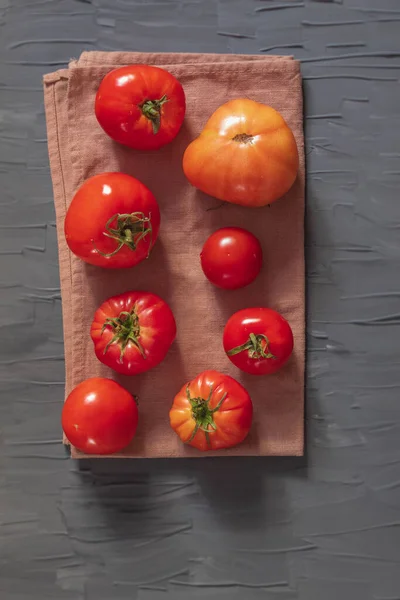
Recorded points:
(203, 414)
(257, 346)
(129, 230)
(126, 329)
(152, 111)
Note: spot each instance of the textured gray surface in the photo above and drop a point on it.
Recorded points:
(325, 527)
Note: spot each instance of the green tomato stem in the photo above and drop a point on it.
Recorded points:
(128, 230)
(203, 414)
(152, 111)
(126, 328)
(257, 346)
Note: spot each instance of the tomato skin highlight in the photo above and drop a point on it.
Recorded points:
(98, 200)
(222, 404)
(246, 154)
(272, 343)
(140, 106)
(99, 416)
(231, 258)
(141, 341)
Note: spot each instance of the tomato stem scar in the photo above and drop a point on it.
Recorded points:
(243, 138)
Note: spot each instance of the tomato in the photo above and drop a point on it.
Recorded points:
(99, 416)
(211, 412)
(132, 332)
(231, 258)
(140, 106)
(246, 154)
(258, 340)
(112, 221)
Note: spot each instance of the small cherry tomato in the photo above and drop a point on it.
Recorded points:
(258, 340)
(231, 258)
(211, 412)
(140, 106)
(133, 332)
(99, 416)
(112, 221)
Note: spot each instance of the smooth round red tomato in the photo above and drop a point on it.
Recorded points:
(231, 258)
(112, 221)
(132, 332)
(211, 412)
(258, 340)
(99, 416)
(246, 154)
(140, 106)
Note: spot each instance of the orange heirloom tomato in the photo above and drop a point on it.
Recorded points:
(212, 412)
(246, 154)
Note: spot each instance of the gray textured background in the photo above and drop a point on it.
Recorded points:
(326, 527)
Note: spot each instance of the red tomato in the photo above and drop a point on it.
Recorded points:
(112, 221)
(258, 340)
(231, 258)
(140, 106)
(132, 332)
(99, 416)
(212, 412)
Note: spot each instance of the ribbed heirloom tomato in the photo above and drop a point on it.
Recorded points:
(246, 154)
(258, 340)
(212, 412)
(132, 332)
(140, 106)
(231, 258)
(99, 416)
(112, 221)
